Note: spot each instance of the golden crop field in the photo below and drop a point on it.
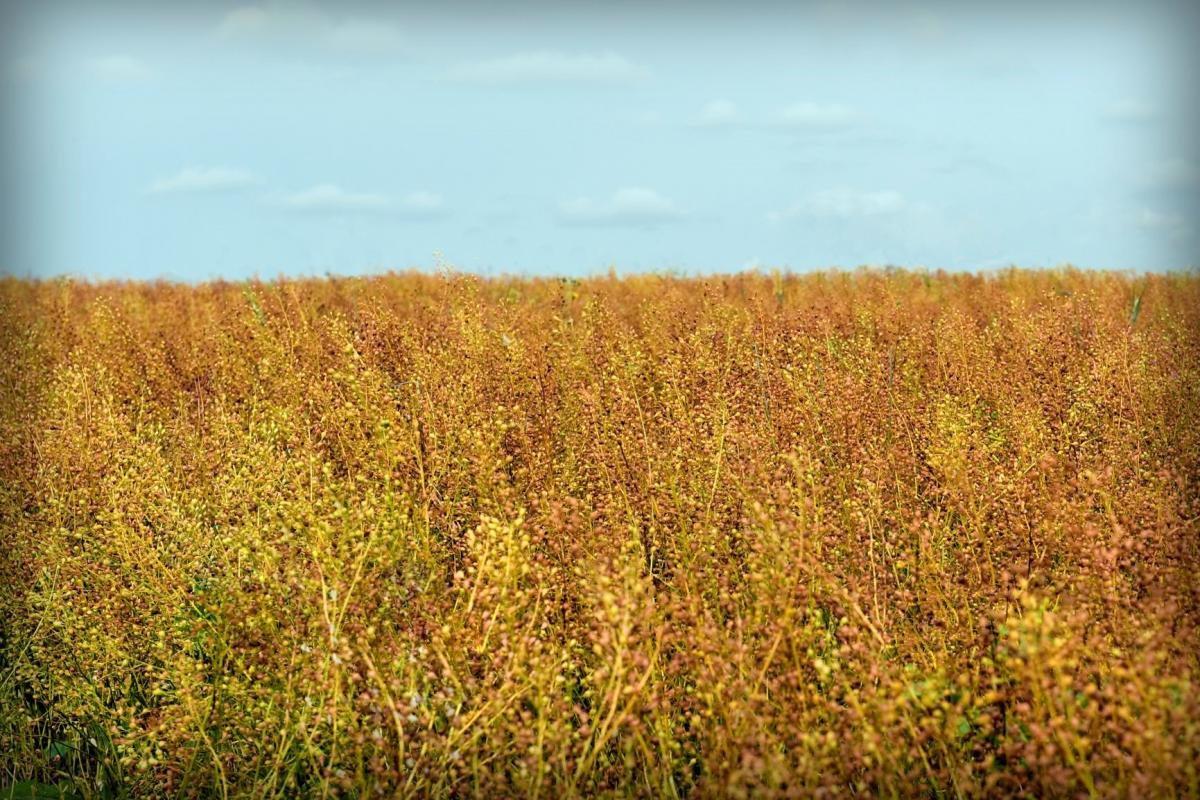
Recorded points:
(874, 533)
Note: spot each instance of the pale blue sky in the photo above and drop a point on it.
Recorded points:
(231, 140)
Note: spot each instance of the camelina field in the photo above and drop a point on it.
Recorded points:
(867, 533)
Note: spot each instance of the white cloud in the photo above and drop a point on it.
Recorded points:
(1172, 224)
(1171, 174)
(927, 25)
(204, 179)
(329, 197)
(550, 67)
(365, 36)
(799, 117)
(119, 68)
(1130, 111)
(423, 203)
(718, 113)
(813, 117)
(297, 23)
(843, 204)
(632, 207)
(246, 20)
(816, 116)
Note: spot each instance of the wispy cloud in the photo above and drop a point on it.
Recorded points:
(816, 116)
(718, 113)
(246, 21)
(328, 197)
(1171, 224)
(287, 23)
(926, 25)
(204, 179)
(842, 204)
(797, 117)
(1173, 173)
(422, 204)
(967, 163)
(365, 36)
(1130, 112)
(119, 68)
(631, 207)
(550, 67)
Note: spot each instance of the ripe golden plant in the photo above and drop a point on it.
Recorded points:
(860, 533)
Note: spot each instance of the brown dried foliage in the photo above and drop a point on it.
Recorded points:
(880, 533)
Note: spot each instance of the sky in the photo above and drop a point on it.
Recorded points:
(192, 141)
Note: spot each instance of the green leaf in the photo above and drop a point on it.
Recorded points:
(252, 299)
(58, 749)
(34, 790)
